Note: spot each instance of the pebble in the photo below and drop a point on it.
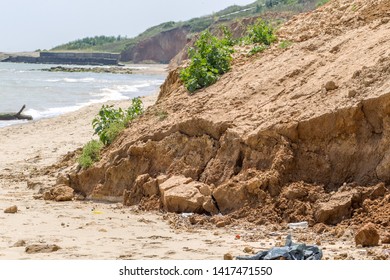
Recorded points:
(248, 250)
(330, 85)
(19, 243)
(221, 224)
(38, 248)
(11, 210)
(352, 93)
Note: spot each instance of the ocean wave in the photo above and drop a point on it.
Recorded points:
(104, 96)
(131, 88)
(117, 92)
(82, 80)
(52, 112)
(71, 80)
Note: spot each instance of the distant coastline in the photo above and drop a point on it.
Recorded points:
(66, 58)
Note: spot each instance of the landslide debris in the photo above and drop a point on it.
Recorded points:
(291, 134)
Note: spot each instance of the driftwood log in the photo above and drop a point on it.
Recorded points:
(15, 116)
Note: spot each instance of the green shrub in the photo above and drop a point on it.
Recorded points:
(257, 49)
(106, 117)
(110, 121)
(227, 38)
(321, 3)
(136, 109)
(90, 154)
(113, 131)
(261, 33)
(210, 58)
(162, 115)
(285, 44)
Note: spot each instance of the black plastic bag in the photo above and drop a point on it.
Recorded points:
(291, 251)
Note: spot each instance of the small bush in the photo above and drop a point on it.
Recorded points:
(110, 121)
(136, 109)
(285, 44)
(261, 33)
(106, 117)
(210, 58)
(257, 49)
(227, 39)
(162, 115)
(321, 3)
(90, 154)
(112, 132)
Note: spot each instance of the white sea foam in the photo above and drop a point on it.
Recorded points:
(49, 94)
(105, 95)
(52, 112)
(81, 80)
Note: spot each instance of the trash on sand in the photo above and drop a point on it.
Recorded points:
(291, 251)
(298, 225)
(186, 215)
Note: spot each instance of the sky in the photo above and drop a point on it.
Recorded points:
(28, 25)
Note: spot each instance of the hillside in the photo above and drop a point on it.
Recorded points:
(162, 42)
(291, 134)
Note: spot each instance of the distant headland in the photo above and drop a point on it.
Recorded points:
(76, 58)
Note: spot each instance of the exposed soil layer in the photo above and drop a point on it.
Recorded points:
(291, 134)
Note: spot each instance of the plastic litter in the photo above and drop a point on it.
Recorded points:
(186, 215)
(298, 225)
(291, 251)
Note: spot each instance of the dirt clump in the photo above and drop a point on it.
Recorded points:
(367, 236)
(59, 193)
(11, 210)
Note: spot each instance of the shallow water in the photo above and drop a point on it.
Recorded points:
(49, 94)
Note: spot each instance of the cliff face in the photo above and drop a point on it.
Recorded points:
(160, 48)
(296, 134)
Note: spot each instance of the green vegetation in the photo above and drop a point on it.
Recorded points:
(90, 43)
(261, 33)
(285, 44)
(110, 121)
(321, 3)
(108, 124)
(162, 115)
(90, 154)
(257, 49)
(210, 58)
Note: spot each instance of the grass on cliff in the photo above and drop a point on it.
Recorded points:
(110, 121)
(90, 153)
(108, 124)
(211, 56)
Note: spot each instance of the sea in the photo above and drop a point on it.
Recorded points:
(50, 94)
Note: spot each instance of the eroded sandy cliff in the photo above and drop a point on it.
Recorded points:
(292, 134)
